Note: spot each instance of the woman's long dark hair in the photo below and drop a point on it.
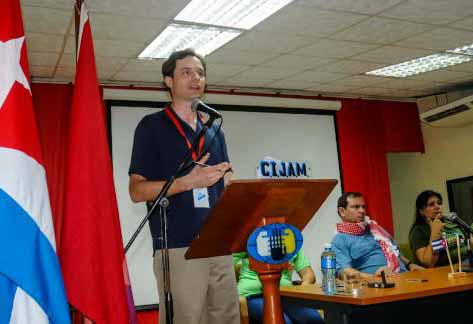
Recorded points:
(421, 203)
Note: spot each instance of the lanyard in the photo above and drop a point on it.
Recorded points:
(172, 116)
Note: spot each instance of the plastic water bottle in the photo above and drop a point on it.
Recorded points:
(327, 265)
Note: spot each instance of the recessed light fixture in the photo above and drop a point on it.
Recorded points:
(206, 25)
(242, 14)
(421, 65)
(203, 39)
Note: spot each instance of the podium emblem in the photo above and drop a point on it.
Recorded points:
(274, 243)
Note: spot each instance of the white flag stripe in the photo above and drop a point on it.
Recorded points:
(438, 245)
(25, 182)
(10, 52)
(26, 310)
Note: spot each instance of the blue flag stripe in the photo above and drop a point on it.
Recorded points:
(29, 260)
(7, 294)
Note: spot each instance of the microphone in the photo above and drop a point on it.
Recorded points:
(198, 105)
(460, 222)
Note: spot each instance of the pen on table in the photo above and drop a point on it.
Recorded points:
(206, 165)
(417, 280)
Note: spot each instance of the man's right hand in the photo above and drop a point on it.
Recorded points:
(202, 177)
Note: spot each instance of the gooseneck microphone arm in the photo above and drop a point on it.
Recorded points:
(460, 222)
(164, 190)
(467, 231)
(163, 203)
(198, 105)
(183, 165)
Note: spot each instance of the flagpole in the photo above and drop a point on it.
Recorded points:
(79, 318)
(77, 22)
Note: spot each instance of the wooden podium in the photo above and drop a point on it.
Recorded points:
(248, 204)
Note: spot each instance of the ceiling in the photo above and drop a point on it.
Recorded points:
(309, 46)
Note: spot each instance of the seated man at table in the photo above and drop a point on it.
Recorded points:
(361, 245)
(250, 287)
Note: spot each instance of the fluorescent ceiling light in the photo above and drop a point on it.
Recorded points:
(421, 65)
(204, 40)
(216, 22)
(242, 14)
(464, 50)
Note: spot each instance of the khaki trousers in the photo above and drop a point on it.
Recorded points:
(203, 290)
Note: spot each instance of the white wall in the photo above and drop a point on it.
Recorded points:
(448, 155)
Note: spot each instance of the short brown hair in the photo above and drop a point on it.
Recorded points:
(343, 200)
(169, 66)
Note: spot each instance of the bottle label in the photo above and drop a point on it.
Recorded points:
(328, 263)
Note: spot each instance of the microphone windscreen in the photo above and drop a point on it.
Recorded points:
(450, 216)
(195, 103)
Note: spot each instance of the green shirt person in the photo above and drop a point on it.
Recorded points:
(250, 288)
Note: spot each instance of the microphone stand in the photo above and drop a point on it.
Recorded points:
(470, 256)
(467, 232)
(163, 203)
(469, 252)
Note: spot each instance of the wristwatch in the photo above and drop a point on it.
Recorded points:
(408, 265)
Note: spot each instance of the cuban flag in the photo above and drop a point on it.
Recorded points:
(31, 287)
(439, 245)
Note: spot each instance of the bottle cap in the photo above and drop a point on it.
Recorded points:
(327, 246)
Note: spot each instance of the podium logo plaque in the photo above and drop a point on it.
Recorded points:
(274, 243)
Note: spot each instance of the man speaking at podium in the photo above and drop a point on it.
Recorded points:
(203, 290)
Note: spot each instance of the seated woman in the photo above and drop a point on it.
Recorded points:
(250, 286)
(428, 227)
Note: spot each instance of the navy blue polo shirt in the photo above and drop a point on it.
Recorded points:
(158, 148)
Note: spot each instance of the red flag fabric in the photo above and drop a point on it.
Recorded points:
(31, 287)
(91, 251)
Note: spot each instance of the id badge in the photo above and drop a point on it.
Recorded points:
(201, 198)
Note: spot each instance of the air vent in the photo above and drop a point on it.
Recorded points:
(447, 113)
(453, 114)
